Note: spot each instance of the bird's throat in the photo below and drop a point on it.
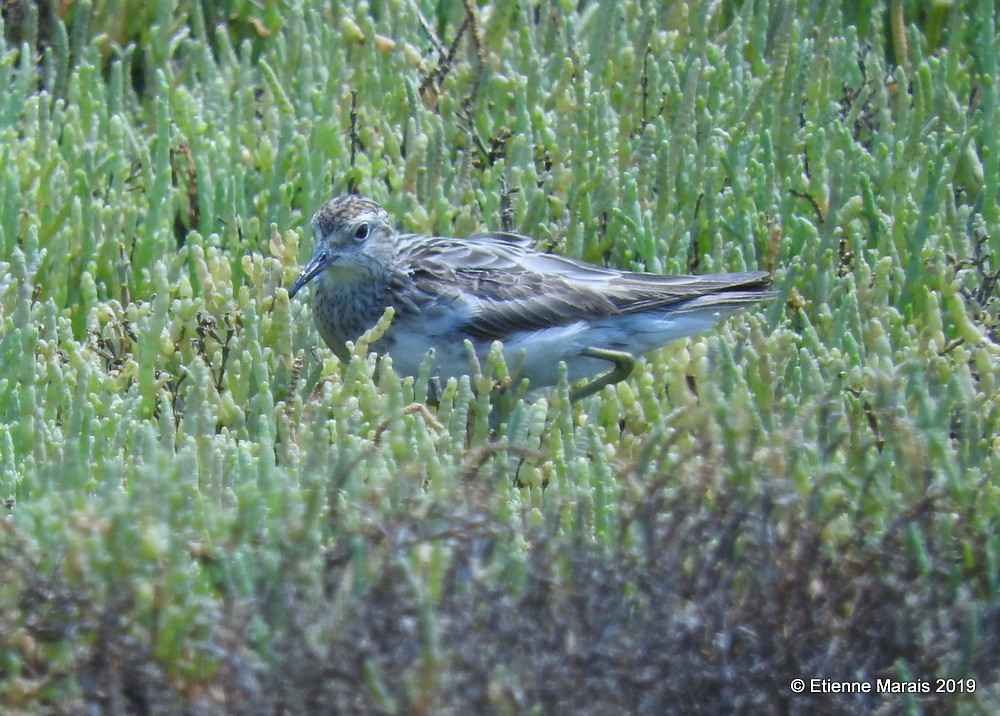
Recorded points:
(344, 276)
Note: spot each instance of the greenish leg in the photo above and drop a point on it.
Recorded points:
(623, 362)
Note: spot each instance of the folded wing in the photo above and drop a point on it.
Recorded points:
(510, 287)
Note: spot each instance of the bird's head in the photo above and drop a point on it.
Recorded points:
(353, 238)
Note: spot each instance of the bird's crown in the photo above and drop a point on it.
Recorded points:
(342, 210)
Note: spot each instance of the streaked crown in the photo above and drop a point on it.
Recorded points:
(342, 210)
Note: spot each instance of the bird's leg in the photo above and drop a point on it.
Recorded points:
(434, 391)
(623, 362)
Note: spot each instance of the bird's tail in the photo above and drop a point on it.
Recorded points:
(728, 292)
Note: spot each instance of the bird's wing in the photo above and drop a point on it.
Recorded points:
(511, 287)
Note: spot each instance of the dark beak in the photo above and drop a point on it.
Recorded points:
(314, 267)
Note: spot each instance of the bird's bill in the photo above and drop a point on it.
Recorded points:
(314, 267)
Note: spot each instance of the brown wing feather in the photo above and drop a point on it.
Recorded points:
(515, 288)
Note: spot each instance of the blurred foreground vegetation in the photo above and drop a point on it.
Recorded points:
(205, 512)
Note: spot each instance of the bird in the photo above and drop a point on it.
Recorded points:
(496, 287)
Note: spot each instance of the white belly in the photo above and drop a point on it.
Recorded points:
(544, 349)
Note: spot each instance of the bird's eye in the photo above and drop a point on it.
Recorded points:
(361, 233)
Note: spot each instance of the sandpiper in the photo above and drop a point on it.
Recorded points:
(495, 286)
